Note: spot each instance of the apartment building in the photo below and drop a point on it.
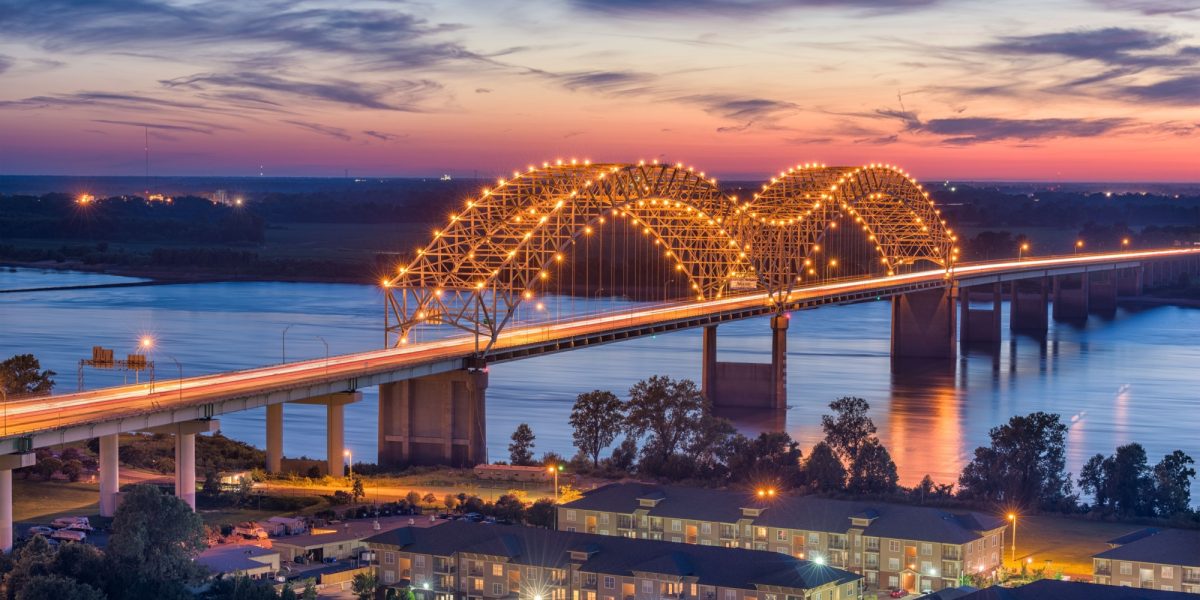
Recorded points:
(892, 546)
(1158, 559)
(460, 560)
(1053, 589)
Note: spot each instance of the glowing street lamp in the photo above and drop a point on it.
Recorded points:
(766, 492)
(349, 461)
(1078, 246)
(1022, 249)
(555, 470)
(1125, 243)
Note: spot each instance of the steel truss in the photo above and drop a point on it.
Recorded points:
(503, 245)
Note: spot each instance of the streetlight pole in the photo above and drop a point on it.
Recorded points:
(180, 376)
(5, 392)
(349, 461)
(1013, 553)
(1024, 247)
(1078, 245)
(283, 344)
(326, 353)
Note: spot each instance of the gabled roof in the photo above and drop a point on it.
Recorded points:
(1133, 536)
(810, 513)
(614, 555)
(1052, 589)
(1165, 547)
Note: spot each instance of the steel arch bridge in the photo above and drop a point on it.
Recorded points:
(500, 249)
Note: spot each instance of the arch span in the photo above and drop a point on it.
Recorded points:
(493, 254)
(502, 245)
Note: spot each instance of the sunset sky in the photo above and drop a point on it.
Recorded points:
(1102, 90)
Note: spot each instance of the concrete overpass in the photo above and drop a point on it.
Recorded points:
(432, 393)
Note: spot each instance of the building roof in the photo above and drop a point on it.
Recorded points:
(231, 559)
(1166, 547)
(614, 555)
(343, 532)
(810, 513)
(1052, 589)
(1132, 536)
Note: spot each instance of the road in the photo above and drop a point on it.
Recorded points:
(26, 416)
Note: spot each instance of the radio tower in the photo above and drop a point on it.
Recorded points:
(146, 130)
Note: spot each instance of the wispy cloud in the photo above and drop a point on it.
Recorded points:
(965, 131)
(194, 128)
(741, 8)
(1114, 46)
(382, 136)
(1153, 7)
(402, 96)
(6, 62)
(333, 132)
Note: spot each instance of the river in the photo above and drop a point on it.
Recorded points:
(1132, 377)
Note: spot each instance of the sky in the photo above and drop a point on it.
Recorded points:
(1052, 90)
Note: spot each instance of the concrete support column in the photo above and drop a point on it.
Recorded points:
(1102, 291)
(185, 468)
(979, 325)
(335, 437)
(9, 462)
(779, 327)
(1071, 297)
(1029, 306)
(110, 481)
(924, 324)
(708, 369)
(274, 438)
(434, 420)
(185, 454)
(1130, 282)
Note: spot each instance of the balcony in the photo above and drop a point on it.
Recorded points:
(444, 566)
(1102, 570)
(475, 571)
(1192, 577)
(624, 522)
(951, 553)
(837, 543)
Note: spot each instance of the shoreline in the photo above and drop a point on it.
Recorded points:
(163, 277)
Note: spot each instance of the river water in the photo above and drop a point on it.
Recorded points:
(1132, 377)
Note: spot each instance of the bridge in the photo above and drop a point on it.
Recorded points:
(769, 255)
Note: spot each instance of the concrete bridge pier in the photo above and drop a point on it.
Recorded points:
(1102, 292)
(1029, 306)
(335, 428)
(924, 324)
(185, 456)
(1071, 297)
(742, 385)
(980, 325)
(1130, 282)
(434, 420)
(110, 473)
(8, 462)
(274, 438)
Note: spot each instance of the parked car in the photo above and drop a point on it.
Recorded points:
(40, 530)
(69, 535)
(75, 523)
(898, 593)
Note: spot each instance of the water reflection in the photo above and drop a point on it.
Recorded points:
(1127, 378)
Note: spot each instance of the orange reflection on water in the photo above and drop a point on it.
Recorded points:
(923, 428)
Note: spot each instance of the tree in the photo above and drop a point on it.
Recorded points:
(357, 489)
(667, 411)
(21, 375)
(624, 455)
(47, 467)
(240, 587)
(824, 469)
(1024, 465)
(1129, 483)
(1172, 484)
(708, 449)
(772, 456)
(849, 428)
(211, 488)
(57, 587)
(872, 471)
(364, 585)
(541, 513)
(450, 502)
(72, 469)
(310, 590)
(413, 498)
(1093, 479)
(520, 451)
(509, 506)
(567, 493)
(155, 538)
(596, 419)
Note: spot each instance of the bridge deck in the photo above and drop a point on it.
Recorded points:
(37, 422)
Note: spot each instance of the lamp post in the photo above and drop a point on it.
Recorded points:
(1021, 250)
(283, 344)
(5, 392)
(349, 461)
(180, 376)
(1013, 553)
(144, 344)
(326, 353)
(1124, 243)
(1078, 245)
(555, 469)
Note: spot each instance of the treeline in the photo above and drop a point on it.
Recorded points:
(126, 219)
(1094, 237)
(409, 201)
(973, 205)
(671, 434)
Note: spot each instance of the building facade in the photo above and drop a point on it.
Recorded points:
(1166, 560)
(891, 546)
(470, 561)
